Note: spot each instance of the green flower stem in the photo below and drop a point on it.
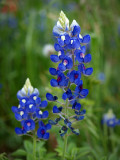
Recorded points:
(112, 140)
(66, 136)
(66, 112)
(34, 147)
(65, 146)
(105, 140)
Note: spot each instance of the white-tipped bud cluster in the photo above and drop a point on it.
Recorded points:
(28, 87)
(63, 21)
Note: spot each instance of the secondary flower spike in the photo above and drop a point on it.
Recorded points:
(30, 112)
(71, 62)
(110, 119)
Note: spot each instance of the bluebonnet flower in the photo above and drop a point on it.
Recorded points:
(29, 111)
(85, 71)
(42, 130)
(70, 60)
(61, 81)
(110, 119)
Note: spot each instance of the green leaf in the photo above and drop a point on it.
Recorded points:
(71, 146)
(104, 158)
(90, 158)
(83, 151)
(28, 146)
(30, 156)
(113, 156)
(19, 152)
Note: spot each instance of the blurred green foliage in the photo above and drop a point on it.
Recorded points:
(24, 30)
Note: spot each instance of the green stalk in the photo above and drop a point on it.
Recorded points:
(65, 147)
(105, 143)
(112, 140)
(66, 113)
(66, 136)
(34, 147)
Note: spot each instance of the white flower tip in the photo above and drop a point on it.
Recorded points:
(74, 23)
(27, 86)
(63, 21)
(110, 114)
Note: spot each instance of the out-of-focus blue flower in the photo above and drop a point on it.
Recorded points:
(29, 111)
(8, 21)
(101, 77)
(0, 88)
(110, 119)
(12, 22)
(43, 20)
(71, 6)
(71, 60)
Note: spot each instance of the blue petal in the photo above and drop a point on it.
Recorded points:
(57, 47)
(78, 106)
(41, 124)
(55, 109)
(87, 58)
(44, 104)
(76, 30)
(64, 96)
(45, 114)
(80, 67)
(79, 59)
(54, 58)
(39, 133)
(75, 44)
(38, 100)
(46, 136)
(61, 67)
(70, 63)
(86, 39)
(51, 122)
(84, 92)
(32, 125)
(14, 109)
(19, 131)
(88, 71)
(53, 71)
(67, 39)
(49, 97)
(54, 83)
(71, 76)
(83, 49)
(61, 42)
(79, 118)
(47, 126)
(18, 116)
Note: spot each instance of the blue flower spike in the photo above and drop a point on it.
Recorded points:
(110, 119)
(29, 112)
(70, 59)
